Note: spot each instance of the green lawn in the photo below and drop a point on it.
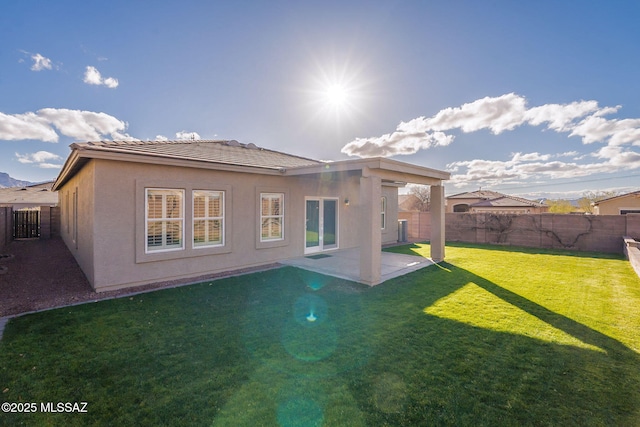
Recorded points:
(494, 336)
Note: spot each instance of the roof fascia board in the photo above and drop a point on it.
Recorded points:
(68, 166)
(385, 168)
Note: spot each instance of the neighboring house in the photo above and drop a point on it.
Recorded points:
(485, 201)
(618, 205)
(29, 197)
(145, 211)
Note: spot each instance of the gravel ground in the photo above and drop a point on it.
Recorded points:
(41, 274)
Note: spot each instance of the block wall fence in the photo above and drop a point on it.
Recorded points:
(599, 233)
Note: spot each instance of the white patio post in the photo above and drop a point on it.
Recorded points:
(437, 222)
(370, 229)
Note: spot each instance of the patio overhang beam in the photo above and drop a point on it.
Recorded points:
(386, 169)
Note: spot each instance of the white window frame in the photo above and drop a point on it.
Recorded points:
(280, 216)
(207, 218)
(164, 220)
(383, 213)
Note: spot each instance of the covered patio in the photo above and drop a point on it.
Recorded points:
(366, 263)
(345, 264)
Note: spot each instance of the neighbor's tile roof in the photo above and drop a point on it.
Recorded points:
(495, 199)
(224, 152)
(480, 194)
(40, 194)
(507, 201)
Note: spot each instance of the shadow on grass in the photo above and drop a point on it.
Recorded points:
(288, 347)
(454, 373)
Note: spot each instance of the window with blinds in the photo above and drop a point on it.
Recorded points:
(271, 216)
(164, 218)
(208, 218)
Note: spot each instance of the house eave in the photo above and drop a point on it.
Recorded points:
(80, 156)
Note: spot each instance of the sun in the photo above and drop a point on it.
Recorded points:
(336, 91)
(336, 95)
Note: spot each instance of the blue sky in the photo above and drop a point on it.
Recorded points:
(539, 99)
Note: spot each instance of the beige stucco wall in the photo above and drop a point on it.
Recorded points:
(78, 234)
(613, 207)
(111, 245)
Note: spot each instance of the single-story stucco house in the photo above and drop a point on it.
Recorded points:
(138, 212)
(486, 201)
(618, 205)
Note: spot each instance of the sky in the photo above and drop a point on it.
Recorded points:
(533, 98)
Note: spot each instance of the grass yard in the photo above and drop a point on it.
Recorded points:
(494, 336)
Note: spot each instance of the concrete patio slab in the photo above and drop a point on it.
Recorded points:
(345, 264)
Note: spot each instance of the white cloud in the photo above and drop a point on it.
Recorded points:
(40, 63)
(26, 126)
(616, 132)
(560, 118)
(507, 112)
(77, 124)
(93, 77)
(111, 83)
(568, 154)
(84, 125)
(161, 138)
(42, 159)
(498, 114)
(399, 142)
(529, 166)
(187, 135)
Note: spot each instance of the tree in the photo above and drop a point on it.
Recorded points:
(560, 206)
(422, 194)
(589, 197)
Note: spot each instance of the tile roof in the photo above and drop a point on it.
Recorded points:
(40, 194)
(480, 194)
(211, 151)
(507, 201)
(495, 199)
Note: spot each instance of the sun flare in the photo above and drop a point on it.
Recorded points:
(337, 92)
(336, 95)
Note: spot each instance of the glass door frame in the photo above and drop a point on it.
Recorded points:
(321, 247)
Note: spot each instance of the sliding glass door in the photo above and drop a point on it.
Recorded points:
(321, 231)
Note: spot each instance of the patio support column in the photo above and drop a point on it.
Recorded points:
(370, 229)
(437, 223)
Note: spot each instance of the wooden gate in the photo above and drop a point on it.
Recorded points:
(26, 224)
